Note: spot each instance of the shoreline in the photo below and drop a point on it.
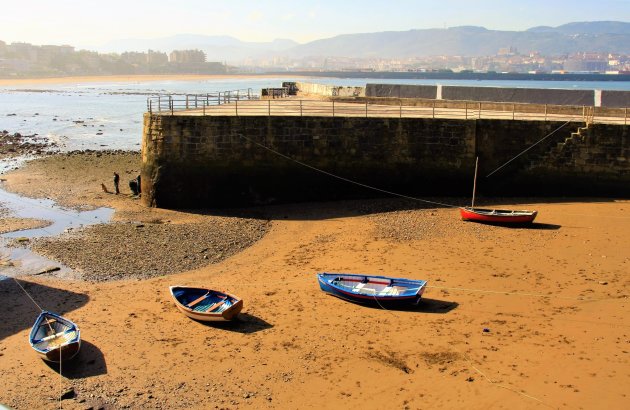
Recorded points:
(137, 78)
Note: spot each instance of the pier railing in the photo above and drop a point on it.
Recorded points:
(171, 103)
(246, 105)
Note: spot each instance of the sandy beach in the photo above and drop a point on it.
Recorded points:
(518, 318)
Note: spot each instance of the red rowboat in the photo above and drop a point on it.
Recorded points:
(497, 216)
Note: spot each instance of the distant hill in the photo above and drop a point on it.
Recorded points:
(598, 36)
(589, 27)
(473, 41)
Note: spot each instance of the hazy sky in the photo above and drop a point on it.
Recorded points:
(87, 23)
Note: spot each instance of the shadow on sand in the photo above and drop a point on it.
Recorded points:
(19, 311)
(532, 226)
(89, 362)
(425, 306)
(244, 323)
(368, 206)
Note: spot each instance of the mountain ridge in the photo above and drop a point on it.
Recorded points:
(471, 41)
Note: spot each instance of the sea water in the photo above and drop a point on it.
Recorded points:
(108, 115)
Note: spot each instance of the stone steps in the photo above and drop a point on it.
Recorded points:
(563, 150)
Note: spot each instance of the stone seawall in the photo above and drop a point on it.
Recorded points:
(551, 96)
(197, 161)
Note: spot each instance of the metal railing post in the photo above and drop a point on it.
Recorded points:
(466, 110)
(333, 108)
(545, 112)
(479, 110)
(150, 110)
(186, 101)
(195, 100)
(400, 114)
(433, 109)
(625, 117)
(236, 108)
(366, 108)
(159, 104)
(513, 111)
(170, 102)
(204, 110)
(269, 107)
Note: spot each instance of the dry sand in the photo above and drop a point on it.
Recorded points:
(514, 318)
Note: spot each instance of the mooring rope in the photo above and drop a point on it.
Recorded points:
(60, 347)
(346, 179)
(27, 294)
(531, 146)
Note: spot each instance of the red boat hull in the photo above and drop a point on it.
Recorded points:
(497, 216)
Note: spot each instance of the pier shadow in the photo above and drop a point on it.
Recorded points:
(244, 323)
(89, 362)
(368, 206)
(19, 311)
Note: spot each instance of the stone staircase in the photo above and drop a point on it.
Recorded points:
(565, 151)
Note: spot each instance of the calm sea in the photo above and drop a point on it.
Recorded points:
(108, 115)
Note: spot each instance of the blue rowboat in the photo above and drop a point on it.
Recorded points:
(371, 289)
(206, 305)
(54, 337)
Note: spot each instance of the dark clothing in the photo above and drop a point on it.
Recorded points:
(133, 185)
(116, 180)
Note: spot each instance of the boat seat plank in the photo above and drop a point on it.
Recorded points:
(216, 306)
(198, 300)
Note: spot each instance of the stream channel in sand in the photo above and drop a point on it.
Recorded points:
(20, 260)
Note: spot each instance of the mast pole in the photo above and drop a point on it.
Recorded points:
(475, 183)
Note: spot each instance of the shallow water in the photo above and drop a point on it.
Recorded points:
(16, 261)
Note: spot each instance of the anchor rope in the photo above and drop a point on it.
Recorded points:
(531, 146)
(60, 347)
(346, 179)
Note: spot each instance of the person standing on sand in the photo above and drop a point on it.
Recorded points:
(116, 180)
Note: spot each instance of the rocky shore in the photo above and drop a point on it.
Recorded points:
(16, 144)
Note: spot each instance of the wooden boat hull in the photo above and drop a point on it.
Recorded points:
(371, 289)
(55, 338)
(497, 216)
(206, 305)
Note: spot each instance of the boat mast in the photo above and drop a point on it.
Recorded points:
(475, 183)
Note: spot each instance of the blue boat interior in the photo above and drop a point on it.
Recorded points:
(51, 332)
(376, 286)
(203, 301)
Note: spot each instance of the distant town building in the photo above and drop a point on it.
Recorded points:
(587, 62)
(187, 56)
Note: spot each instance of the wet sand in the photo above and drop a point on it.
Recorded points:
(513, 318)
